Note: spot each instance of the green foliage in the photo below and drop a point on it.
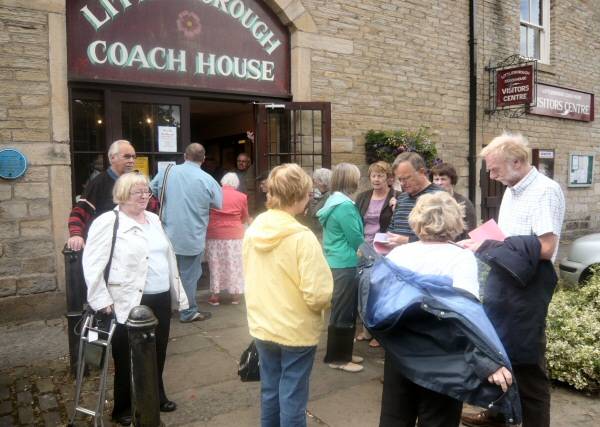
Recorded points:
(573, 333)
(386, 145)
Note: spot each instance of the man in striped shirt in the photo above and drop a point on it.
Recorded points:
(410, 171)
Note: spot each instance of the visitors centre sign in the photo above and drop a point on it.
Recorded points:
(237, 46)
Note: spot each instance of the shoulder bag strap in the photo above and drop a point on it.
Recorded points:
(161, 197)
(112, 247)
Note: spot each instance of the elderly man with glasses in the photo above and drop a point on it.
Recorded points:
(409, 169)
(98, 198)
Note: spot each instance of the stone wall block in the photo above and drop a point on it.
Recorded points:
(57, 6)
(31, 190)
(24, 113)
(35, 228)
(8, 230)
(13, 210)
(30, 135)
(28, 248)
(9, 267)
(39, 209)
(36, 284)
(35, 100)
(8, 286)
(58, 83)
(5, 192)
(342, 145)
(38, 265)
(36, 174)
(43, 154)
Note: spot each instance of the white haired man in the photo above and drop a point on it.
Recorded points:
(98, 198)
(522, 278)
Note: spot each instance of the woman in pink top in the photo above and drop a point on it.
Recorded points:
(224, 242)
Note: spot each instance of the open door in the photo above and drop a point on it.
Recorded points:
(491, 195)
(293, 132)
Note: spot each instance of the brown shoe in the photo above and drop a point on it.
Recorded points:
(482, 419)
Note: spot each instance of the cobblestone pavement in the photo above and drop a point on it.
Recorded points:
(36, 389)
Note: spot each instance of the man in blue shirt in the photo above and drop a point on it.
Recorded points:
(189, 195)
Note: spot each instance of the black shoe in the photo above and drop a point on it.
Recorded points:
(168, 406)
(124, 420)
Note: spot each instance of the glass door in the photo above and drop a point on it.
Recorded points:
(293, 132)
(157, 126)
(88, 136)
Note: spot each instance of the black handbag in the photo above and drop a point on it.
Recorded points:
(248, 369)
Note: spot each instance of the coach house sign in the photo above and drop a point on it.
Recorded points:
(214, 45)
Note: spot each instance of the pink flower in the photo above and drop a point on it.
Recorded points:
(189, 24)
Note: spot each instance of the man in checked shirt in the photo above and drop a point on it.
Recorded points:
(532, 205)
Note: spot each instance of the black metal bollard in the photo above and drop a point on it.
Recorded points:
(76, 292)
(145, 404)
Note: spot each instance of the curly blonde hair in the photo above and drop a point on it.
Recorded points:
(286, 185)
(437, 217)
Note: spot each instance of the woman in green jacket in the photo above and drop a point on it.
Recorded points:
(342, 235)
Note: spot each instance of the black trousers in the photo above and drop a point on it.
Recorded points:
(534, 390)
(342, 322)
(404, 402)
(160, 304)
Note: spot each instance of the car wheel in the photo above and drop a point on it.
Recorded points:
(588, 272)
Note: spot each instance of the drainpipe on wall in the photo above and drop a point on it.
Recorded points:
(472, 159)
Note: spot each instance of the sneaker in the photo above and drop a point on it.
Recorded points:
(347, 367)
(214, 300)
(197, 317)
(235, 299)
(357, 359)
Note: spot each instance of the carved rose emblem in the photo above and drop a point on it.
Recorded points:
(189, 24)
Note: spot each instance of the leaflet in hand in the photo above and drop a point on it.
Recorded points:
(487, 231)
(380, 243)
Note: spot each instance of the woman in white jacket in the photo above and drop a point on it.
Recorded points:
(143, 271)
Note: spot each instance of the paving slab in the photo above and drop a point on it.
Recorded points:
(201, 376)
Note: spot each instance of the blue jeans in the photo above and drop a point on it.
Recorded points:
(284, 375)
(190, 270)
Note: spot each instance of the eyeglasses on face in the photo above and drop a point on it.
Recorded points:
(141, 193)
(404, 178)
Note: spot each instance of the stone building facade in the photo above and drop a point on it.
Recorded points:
(381, 64)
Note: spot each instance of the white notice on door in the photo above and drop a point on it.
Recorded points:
(163, 165)
(167, 139)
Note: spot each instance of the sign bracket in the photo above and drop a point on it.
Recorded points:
(525, 90)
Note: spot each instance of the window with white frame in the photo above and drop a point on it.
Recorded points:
(535, 29)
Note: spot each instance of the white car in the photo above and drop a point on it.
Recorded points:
(583, 255)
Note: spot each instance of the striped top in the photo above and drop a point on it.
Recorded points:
(404, 205)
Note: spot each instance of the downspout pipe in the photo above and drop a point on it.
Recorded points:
(472, 158)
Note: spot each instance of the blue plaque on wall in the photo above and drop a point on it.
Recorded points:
(13, 163)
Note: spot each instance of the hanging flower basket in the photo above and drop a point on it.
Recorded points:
(386, 145)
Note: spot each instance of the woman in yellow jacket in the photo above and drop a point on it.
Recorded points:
(288, 287)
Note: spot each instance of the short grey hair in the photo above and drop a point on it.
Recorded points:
(411, 157)
(322, 176)
(231, 179)
(113, 150)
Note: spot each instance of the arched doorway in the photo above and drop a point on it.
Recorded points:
(163, 74)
